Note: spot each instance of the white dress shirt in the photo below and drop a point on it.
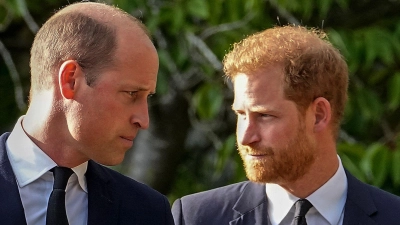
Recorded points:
(35, 183)
(328, 202)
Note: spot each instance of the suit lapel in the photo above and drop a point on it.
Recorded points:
(359, 205)
(102, 207)
(11, 209)
(252, 206)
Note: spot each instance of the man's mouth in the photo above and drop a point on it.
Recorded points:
(129, 138)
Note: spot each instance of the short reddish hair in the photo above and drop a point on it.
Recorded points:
(312, 66)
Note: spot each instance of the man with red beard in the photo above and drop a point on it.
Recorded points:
(290, 87)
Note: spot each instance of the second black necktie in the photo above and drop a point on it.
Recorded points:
(56, 214)
(301, 208)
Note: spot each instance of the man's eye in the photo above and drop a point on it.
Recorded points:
(132, 93)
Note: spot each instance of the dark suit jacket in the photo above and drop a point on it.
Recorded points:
(246, 203)
(112, 197)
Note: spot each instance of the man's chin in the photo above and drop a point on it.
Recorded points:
(260, 175)
(111, 161)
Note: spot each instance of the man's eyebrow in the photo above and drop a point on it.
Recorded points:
(138, 88)
(256, 108)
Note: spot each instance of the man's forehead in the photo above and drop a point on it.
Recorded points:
(242, 90)
(259, 87)
(245, 84)
(240, 81)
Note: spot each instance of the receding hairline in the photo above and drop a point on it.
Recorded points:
(106, 14)
(92, 9)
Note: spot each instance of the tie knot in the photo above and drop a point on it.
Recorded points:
(61, 176)
(302, 206)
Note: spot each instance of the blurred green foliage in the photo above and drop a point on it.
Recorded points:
(192, 36)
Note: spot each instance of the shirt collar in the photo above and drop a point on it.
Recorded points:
(328, 200)
(279, 202)
(29, 162)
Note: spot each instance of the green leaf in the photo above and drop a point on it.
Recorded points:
(370, 104)
(370, 47)
(174, 17)
(162, 83)
(5, 15)
(232, 10)
(307, 8)
(355, 152)
(225, 152)
(356, 48)
(126, 5)
(178, 19)
(198, 8)
(385, 43)
(351, 154)
(324, 6)
(292, 6)
(216, 10)
(164, 58)
(352, 167)
(344, 4)
(252, 5)
(208, 100)
(376, 76)
(13, 6)
(378, 45)
(394, 92)
(337, 40)
(152, 23)
(376, 164)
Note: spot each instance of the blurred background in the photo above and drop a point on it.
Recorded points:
(190, 146)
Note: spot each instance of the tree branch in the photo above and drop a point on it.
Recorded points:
(284, 13)
(226, 26)
(18, 91)
(8, 17)
(205, 50)
(27, 16)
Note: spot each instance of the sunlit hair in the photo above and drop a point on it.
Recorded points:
(77, 36)
(312, 67)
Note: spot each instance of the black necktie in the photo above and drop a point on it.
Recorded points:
(56, 214)
(302, 206)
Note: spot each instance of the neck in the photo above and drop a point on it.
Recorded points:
(45, 124)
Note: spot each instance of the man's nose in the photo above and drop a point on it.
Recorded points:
(140, 116)
(247, 132)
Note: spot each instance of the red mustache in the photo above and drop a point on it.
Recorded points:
(255, 151)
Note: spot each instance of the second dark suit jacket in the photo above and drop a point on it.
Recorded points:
(246, 203)
(113, 199)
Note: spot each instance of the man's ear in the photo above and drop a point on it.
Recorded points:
(67, 76)
(323, 114)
